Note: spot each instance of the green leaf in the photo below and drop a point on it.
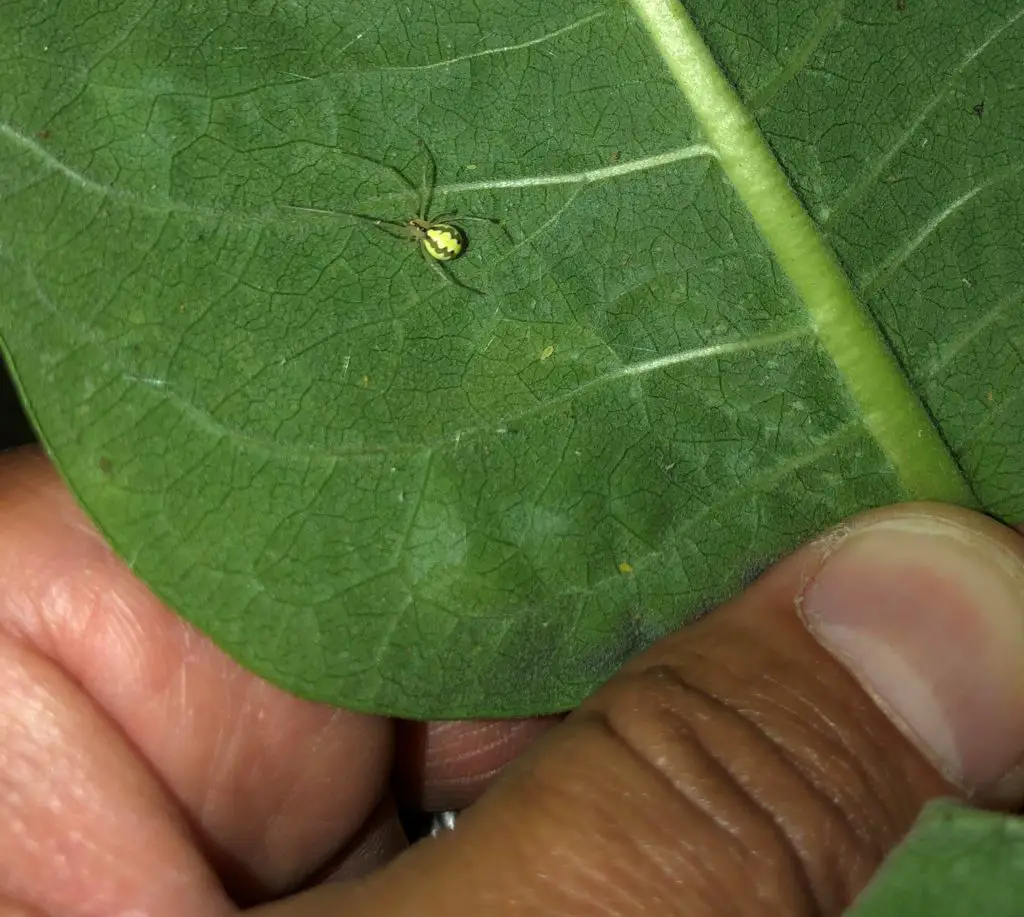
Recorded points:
(758, 268)
(957, 862)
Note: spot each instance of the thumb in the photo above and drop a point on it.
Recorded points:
(762, 761)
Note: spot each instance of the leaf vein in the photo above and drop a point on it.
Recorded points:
(875, 279)
(487, 52)
(856, 191)
(957, 344)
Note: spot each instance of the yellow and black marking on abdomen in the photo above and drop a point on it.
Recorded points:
(442, 241)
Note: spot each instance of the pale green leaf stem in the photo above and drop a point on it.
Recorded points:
(891, 410)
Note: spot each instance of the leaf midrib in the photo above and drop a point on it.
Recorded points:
(893, 414)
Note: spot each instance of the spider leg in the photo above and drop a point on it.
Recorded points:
(379, 222)
(448, 276)
(395, 230)
(457, 217)
(429, 180)
(494, 221)
(504, 230)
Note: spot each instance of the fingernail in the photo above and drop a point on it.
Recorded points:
(928, 614)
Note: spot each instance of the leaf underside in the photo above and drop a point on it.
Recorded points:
(377, 489)
(957, 862)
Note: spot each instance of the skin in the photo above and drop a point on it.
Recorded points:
(736, 767)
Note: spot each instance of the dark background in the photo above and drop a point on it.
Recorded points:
(15, 429)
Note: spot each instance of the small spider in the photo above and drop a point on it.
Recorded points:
(439, 239)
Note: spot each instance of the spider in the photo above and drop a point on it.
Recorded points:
(440, 239)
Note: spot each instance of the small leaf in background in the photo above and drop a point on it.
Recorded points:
(956, 862)
(380, 490)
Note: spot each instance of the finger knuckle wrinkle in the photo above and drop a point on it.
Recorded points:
(745, 788)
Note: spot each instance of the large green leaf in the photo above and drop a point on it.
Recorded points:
(377, 488)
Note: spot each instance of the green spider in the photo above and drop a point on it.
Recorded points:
(439, 239)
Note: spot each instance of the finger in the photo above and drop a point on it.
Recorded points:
(271, 785)
(447, 765)
(378, 841)
(84, 828)
(742, 767)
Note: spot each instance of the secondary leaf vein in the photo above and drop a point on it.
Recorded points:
(855, 191)
(874, 279)
(504, 49)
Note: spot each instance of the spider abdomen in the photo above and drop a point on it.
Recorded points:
(442, 241)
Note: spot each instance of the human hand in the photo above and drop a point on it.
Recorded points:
(142, 772)
(737, 766)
